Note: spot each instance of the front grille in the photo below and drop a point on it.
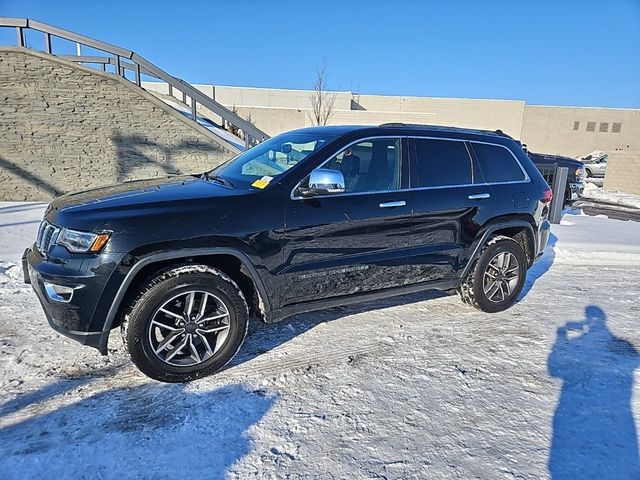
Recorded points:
(47, 233)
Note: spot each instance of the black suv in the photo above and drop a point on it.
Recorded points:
(309, 219)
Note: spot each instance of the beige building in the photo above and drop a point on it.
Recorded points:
(570, 131)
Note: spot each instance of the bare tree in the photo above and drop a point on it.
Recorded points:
(321, 99)
(230, 126)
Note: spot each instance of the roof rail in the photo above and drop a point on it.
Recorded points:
(393, 124)
(116, 56)
(502, 134)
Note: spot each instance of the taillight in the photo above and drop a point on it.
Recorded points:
(547, 195)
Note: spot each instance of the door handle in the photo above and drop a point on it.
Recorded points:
(479, 196)
(400, 203)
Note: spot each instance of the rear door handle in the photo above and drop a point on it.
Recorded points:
(400, 203)
(479, 196)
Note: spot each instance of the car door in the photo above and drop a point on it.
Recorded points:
(351, 242)
(601, 166)
(449, 208)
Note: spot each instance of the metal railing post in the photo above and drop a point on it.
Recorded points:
(138, 82)
(193, 110)
(20, 36)
(47, 42)
(117, 64)
(558, 188)
(170, 90)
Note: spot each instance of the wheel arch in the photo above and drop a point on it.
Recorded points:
(230, 261)
(520, 229)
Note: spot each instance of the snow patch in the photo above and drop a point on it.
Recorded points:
(593, 192)
(10, 272)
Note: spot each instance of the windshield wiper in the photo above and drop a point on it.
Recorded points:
(217, 178)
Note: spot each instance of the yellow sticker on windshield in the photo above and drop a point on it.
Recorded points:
(262, 182)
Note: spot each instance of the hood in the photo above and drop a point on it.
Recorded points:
(97, 207)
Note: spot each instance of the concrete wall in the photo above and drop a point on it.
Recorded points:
(276, 110)
(460, 112)
(65, 127)
(273, 97)
(577, 131)
(551, 130)
(623, 173)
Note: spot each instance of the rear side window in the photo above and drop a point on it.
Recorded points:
(497, 164)
(442, 162)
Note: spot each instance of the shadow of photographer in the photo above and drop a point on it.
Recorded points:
(594, 433)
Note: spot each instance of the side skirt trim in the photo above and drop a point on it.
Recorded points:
(282, 313)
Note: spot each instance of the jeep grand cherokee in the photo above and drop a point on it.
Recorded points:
(309, 219)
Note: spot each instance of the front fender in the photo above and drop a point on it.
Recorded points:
(161, 256)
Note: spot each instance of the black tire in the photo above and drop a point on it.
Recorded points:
(472, 290)
(191, 286)
(588, 173)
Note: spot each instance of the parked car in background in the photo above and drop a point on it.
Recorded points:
(575, 177)
(313, 218)
(595, 164)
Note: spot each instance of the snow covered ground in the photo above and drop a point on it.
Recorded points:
(595, 192)
(415, 387)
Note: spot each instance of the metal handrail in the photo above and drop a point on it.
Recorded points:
(138, 64)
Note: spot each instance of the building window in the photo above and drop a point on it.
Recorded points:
(591, 126)
(576, 126)
(616, 127)
(604, 126)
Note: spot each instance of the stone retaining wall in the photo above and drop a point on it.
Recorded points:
(65, 127)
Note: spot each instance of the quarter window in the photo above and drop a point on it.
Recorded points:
(497, 164)
(369, 166)
(442, 162)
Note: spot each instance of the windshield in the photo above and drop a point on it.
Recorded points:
(258, 166)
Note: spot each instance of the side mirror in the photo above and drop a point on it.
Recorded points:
(324, 181)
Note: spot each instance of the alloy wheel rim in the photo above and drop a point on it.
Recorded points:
(501, 277)
(189, 328)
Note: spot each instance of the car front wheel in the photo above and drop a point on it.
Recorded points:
(187, 322)
(497, 278)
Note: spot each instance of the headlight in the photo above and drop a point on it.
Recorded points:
(82, 242)
(580, 172)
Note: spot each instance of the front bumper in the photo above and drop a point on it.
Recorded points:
(78, 316)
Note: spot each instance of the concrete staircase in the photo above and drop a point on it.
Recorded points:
(129, 65)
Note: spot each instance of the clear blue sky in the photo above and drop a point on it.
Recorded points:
(573, 52)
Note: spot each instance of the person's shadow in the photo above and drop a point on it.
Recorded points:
(594, 433)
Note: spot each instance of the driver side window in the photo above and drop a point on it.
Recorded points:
(369, 166)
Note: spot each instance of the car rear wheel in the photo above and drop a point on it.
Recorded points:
(187, 322)
(497, 277)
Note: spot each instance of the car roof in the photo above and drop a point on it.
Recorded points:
(554, 158)
(402, 129)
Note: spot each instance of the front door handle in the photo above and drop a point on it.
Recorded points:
(400, 203)
(479, 196)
